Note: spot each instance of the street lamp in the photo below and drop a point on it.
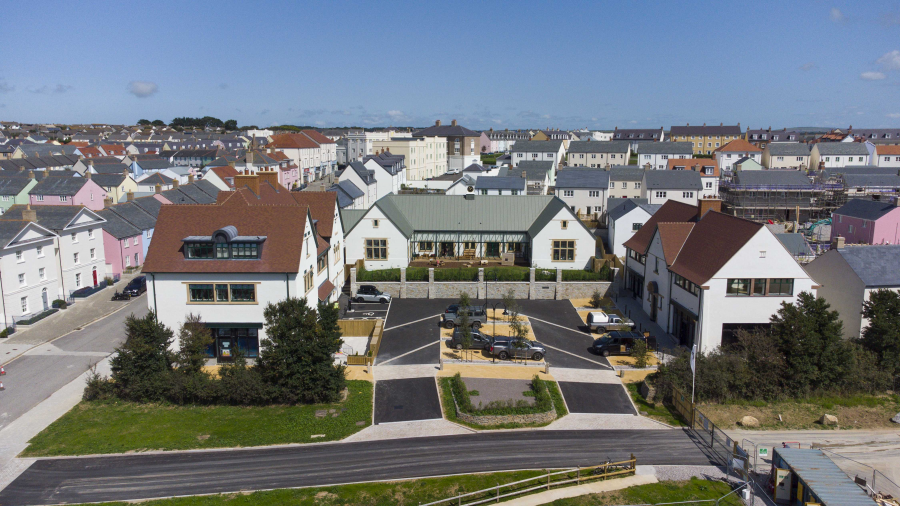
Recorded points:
(494, 333)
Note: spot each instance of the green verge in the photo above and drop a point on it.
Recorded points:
(117, 427)
(662, 492)
(656, 411)
(446, 385)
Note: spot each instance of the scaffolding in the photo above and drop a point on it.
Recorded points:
(781, 203)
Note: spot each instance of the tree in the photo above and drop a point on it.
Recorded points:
(517, 329)
(465, 323)
(158, 123)
(141, 364)
(193, 340)
(143, 122)
(297, 360)
(231, 125)
(596, 299)
(882, 335)
(809, 336)
(640, 353)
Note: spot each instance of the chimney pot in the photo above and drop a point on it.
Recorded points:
(158, 189)
(174, 183)
(87, 174)
(30, 174)
(453, 122)
(190, 178)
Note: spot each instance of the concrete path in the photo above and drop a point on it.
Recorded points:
(389, 372)
(591, 421)
(424, 428)
(594, 487)
(584, 375)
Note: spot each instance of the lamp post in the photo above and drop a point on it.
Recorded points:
(494, 333)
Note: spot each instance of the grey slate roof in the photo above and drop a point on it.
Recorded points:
(13, 185)
(343, 200)
(153, 164)
(367, 176)
(842, 148)
(706, 130)
(108, 180)
(551, 146)
(673, 180)
(624, 206)
(876, 266)
(133, 214)
(795, 243)
(52, 217)
(626, 173)
(865, 209)
(500, 183)
(446, 131)
(208, 188)
(598, 146)
(350, 189)
(574, 177)
(110, 168)
(176, 196)
(58, 186)
(196, 194)
(156, 178)
(772, 178)
(116, 226)
(788, 149)
(149, 205)
(534, 170)
(475, 168)
(872, 180)
(9, 229)
(665, 148)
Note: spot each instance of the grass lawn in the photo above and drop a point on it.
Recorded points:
(656, 411)
(853, 412)
(450, 409)
(662, 492)
(117, 427)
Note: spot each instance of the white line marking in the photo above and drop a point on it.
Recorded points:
(577, 356)
(410, 323)
(557, 325)
(411, 351)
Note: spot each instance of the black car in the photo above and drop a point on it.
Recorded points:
(620, 342)
(479, 340)
(136, 286)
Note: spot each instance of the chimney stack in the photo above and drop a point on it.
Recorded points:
(269, 176)
(158, 189)
(29, 214)
(437, 123)
(30, 174)
(708, 204)
(190, 178)
(87, 174)
(107, 202)
(129, 196)
(524, 174)
(175, 183)
(453, 122)
(249, 180)
(837, 243)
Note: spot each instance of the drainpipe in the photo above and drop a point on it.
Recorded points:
(62, 277)
(5, 322)
(287, 285)
(155, 307)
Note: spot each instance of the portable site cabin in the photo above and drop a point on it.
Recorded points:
(808, 476)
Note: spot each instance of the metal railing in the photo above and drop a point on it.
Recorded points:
(546, 481)
(873, 481)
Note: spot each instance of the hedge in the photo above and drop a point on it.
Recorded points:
(378, 275)
(506, 274)
(37, 318)
(460, 274)
(545, 275)
(574, 275)
(417, 274)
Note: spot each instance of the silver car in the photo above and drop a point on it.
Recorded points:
(519, 348)
(368, 293)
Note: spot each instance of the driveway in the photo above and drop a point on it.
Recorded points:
(603, 398)
(412, 335)
(557, 325)
(406, 400)
(367, 311)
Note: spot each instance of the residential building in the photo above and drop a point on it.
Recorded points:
(425, 157)
(849, 274)
(14, 190)
(67, 191)
(624, 218)
(115, 185)
(598, 154)
(703, 275)
(786, 155)
(78, 252)
(746, 163)
(364, 179)
(361, 143)
(706, 139)
(29, 273)
(465, 185)
(660, 186)
(390, 172)
(736, 150)
(348, 195)
(553, 135)
(222, 177)
(625, 182)
(196, 158)
(584, 190)
(762, 138)
(881, 187)
(150, 182)
(655, 155)
(539, 151)
(838, 154)
(503, 140)
(773, 195)
(538, 174)
(706, 167)
(326, 163)
(463, 145)
(121, 243)
(888, 155)
(226, 264)
(495, 185)
(862, 221)
(135, 212)
(303, 151)
(541, 230)
(637, 136)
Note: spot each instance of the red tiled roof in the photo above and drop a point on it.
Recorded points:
(322, 206)
(281, 251)
(695, 164)
(325, 289)
(672, 237)
(292, 141)
(90, 152)
(882, 149)
(317, 137)
(739, 145)
(711, 244)
(225, 171)
(670, 212)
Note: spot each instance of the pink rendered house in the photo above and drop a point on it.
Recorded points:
(67, 191)
(122, 243)
(867, 222)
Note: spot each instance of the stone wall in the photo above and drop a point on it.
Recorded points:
(534, 290)
(491, 420)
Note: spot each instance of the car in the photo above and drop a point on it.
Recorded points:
(368, 293)
(600, 321)
(518, 348)
(479, 341)
(620, 342)
(136, 286)
(477, 317)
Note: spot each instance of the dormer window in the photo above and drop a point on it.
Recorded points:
(224, 244)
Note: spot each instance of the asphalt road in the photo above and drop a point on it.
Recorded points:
(608, 398)
(404, 400)
(54, 481)
(41, 371)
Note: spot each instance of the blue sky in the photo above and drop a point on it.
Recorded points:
(488, 64)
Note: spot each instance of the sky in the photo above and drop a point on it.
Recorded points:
(488, 64)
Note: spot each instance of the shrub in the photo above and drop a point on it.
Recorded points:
(363, 275)
(108, 280)
(545, 275)
(577, 275)
(59, 303)
(459, 274)
(38, 317)
(4, 333)
(640, 354)
(417, 274)
(596, 299)
(506, 274)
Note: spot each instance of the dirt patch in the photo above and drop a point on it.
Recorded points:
(802, 416)
(636, 375)
(628, 360)
(326, 496)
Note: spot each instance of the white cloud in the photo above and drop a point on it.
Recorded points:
(142, 89)
(633, 122)
(395, 114)
(872, 76)
(890, 61)
(837, 16)
(806, 67)
(6, 88)
(46, 90)
(894, 115)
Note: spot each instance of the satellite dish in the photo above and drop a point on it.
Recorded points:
(471, 189)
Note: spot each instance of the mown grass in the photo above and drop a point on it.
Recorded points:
(654, 493)
(656, 411)
(118, 427)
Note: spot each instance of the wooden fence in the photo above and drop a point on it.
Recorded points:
(357, 328)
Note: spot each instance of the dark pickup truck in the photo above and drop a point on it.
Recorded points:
(620, 342)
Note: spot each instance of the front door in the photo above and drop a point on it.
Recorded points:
(493, 249)
(44, 299)
(94, 272)
(653, 305)
(446, 249)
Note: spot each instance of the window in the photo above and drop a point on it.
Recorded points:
(90, 233)
(21, 279)
(781, 286)
(6, 198)
(837, 158)
(779, 158)
(636, 226)
(484, 192)
(376, 249)
(594, 193)
(656, 265)
(127, 261)
(63, 198)
(660, 195)
(125, 241)
(738, 287)
(374, 223)
(75, 258)
(93, 254)
(200, 292)
(39, 198)
(637, 186)
(77, 280)
(708, 185)
(74, 237)
(243, 293)
(322, 262)
(688, 286)
(563, 251)
(42, 273)
(199, 250)
(221, 293)
(687, 195)
(612, 184)
(565, 224)
(426, 246)
(19, 257)
(568, 193)
(851, 229)
(624, 186)
(637, 256)
(307, 281)
(244, 250)
(514, 192)
(24, 302)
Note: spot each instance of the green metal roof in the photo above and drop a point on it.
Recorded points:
(350, 217)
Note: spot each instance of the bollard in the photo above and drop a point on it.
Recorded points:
(2, 371)
(498, 492)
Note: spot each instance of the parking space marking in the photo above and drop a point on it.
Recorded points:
(574, 355)
(558, 325)
(407, 353)
(410, 323)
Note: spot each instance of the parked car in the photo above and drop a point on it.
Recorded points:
(600, 321)
(477, 317)
(620, 342)
(368, 293)
(136, 286)
(519, 348)
(479, 340)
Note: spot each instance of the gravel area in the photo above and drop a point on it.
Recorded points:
(400, 430)
(491, 390)
(588, 421)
